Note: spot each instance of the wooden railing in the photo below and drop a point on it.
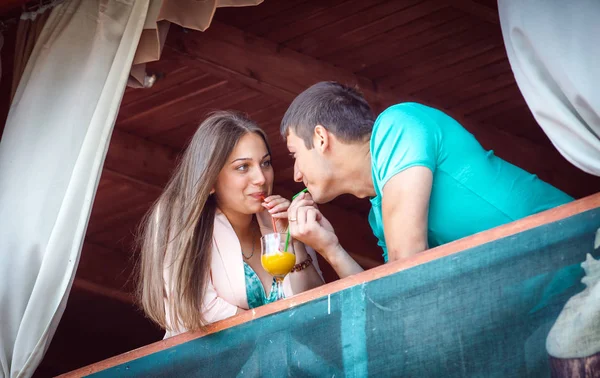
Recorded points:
(513, 228)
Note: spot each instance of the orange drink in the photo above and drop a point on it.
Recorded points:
(279, 263)
(276, 259)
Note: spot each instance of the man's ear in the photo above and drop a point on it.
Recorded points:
(321, 138)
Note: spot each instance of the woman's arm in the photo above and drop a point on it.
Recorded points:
(215, 308)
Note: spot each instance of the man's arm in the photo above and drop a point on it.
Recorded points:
(343, 264)
(405, 206)
(309, 226)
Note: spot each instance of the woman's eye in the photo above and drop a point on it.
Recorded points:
(242, 168)
(266, 164)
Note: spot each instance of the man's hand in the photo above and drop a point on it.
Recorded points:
(309, 226)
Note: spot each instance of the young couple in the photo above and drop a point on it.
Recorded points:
(428, 179)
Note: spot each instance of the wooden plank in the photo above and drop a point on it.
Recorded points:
(477, 84)
(354, 30)
(498, 109)
(112, 193)
(410, 36)
(118, 209)
(488, 99)
(114, 280)
(521, 123)
(243, 17)
(478, 10)
(428, 52)
(150, 116)
(303, 10)
(246, 78)
(453, 248)
(259, 63)
(163, 100)
(441, 63)
(140, 159)
(317, 21)
(192, 110)
(171, 70)
(120, 203)
(183, 124)
(122, 237)
(273, 113)
(460, 67)
(445, 91)
(128, 208)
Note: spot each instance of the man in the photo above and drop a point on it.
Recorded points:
(429, 181)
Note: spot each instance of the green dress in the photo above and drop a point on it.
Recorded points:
(255, 291)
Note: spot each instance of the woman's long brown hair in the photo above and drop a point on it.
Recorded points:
(176, 234)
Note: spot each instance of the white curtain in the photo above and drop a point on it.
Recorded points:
(554, 51)
(51, 156)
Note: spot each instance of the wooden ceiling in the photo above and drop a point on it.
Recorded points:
(447, 54)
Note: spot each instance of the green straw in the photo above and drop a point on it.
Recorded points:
(287, 238)
(300, 192)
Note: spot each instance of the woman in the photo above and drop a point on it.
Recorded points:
(200, 242)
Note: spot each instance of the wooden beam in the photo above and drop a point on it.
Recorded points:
(140, 159)
(259, 63)
(105, 272)
(154, 114)
(137, 183)
(507, 230)
(478, 10)
(92, 287)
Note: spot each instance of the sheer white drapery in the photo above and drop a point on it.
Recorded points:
(51, 155)
(554, 53)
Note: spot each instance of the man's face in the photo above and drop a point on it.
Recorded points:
(313, 168)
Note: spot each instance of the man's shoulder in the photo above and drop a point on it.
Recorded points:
(404, 112)
(400, 116)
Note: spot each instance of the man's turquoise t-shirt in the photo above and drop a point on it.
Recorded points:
(473, 190)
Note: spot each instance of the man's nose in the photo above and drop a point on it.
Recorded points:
(297, 175)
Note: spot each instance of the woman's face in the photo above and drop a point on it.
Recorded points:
(246, 178)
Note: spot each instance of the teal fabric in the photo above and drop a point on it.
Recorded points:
(482, 312)
(255, 290)
(473, 190)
